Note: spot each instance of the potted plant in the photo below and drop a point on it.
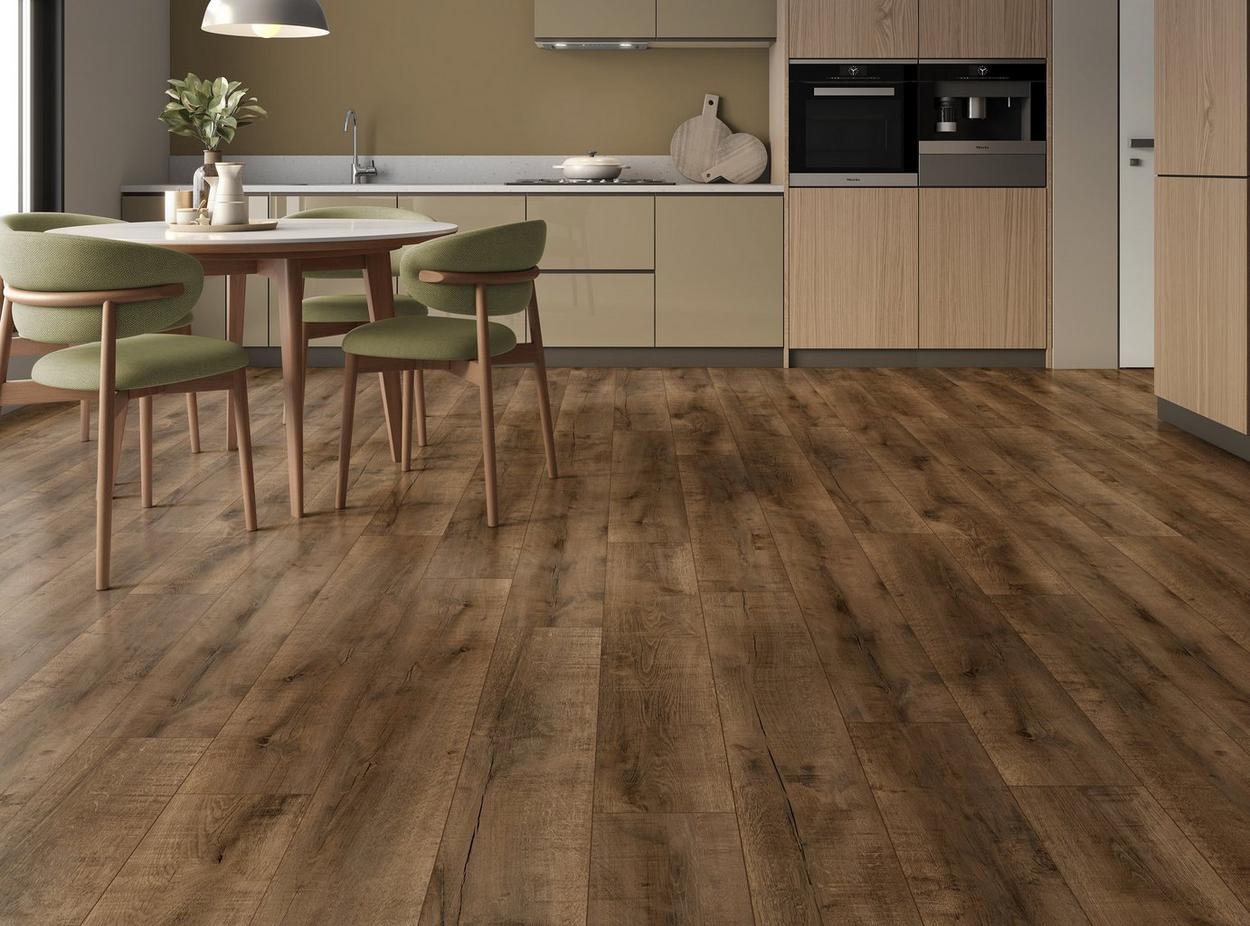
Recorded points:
(210, 111)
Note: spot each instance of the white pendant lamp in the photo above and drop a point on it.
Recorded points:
(266, 19)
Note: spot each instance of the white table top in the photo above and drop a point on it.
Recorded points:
(289, 232)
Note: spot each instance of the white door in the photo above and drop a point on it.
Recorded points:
(1137, 182)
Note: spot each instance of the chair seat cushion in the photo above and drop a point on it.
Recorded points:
(352, 307)
(425, 338)
(144, 361)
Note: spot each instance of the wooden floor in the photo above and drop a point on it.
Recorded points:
(780, 647)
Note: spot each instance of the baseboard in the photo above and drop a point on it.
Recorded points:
(1205, 429)
(632, 357)
(868, 359)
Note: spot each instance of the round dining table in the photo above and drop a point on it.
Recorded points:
(284, 254)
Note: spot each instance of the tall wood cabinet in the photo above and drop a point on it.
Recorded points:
(1202, 295)
(1201, 88)
(854, 29)
(983, 268)
(984, 28)
(854, 259)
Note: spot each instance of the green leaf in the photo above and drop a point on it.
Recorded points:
(209, 110)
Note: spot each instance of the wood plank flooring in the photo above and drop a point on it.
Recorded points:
(785, 648)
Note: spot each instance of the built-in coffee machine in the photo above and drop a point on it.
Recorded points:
(982, 123)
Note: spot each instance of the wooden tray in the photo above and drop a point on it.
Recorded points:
(268, 225)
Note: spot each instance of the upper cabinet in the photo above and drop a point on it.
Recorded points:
(659, 21)
(621, 19)
(986, 28)
(854, 29)
(716, 19)
(1200, 88)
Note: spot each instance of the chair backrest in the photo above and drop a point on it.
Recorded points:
(502, 249)
(359, 212)
(46, 221)
(42, 263)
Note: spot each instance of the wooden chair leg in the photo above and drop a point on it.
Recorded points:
(486, 397)
(106, 462)
(406, 432)
(544, 397)
(145, 450)
(243, 433)
(120, 411)
(193, 422)
(345, 434)
(84, 421)
(422, 436)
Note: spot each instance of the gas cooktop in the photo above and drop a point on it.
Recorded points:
(559, 181)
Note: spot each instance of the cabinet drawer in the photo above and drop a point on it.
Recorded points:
(597, 309)
(467, 211)
(718, 282)
(588, 232)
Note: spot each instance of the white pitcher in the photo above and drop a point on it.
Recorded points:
(229, 202)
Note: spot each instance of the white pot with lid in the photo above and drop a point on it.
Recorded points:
(592, 166)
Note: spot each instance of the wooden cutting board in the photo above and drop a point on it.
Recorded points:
(740, 158)
(697, 141)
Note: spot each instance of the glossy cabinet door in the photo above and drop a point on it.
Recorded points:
(719, 271)
(585, 231)
(1201, 87)
(983, 268)
(623, 19)
(1201, 297)
(984, 28)
(716, 19)
(853, 261)
(854, 29)
(597, 309)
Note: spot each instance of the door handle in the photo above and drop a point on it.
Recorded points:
(854, 91)
(1142, 143)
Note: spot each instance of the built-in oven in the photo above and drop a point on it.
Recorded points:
(853, 123)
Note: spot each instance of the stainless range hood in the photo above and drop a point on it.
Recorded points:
(594, 44)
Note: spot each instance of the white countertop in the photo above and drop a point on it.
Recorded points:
(289, 231)
(519, 189)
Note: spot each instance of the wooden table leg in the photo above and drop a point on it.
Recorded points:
(290, 283)
(236, 304)
(382, 305)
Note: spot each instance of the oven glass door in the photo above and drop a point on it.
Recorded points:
(848, 129)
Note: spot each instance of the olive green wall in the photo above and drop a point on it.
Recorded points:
(463, 77)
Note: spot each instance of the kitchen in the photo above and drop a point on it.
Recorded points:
(780, 499)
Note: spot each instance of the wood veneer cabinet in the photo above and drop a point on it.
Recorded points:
(853, 262)
(854, 28)
(983, 268)
(984, 28)
(719, 271)
(1201, 87)
(1202, 297)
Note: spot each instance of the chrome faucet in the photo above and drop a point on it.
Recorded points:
(360, 173)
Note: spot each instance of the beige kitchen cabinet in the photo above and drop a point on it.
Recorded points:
(853, 259)
(472, 212)
(597, 309)
(716, 19)
(585, 231)
(983, 268)
(209, 315)
(985, 28)
(719, 271)
(854, 29)
(1201, 294)
(1201, 87)
(624, 19)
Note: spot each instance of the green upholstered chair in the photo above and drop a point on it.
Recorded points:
(479, 275)
(112, 300)
(46, 221)
(331, 315)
